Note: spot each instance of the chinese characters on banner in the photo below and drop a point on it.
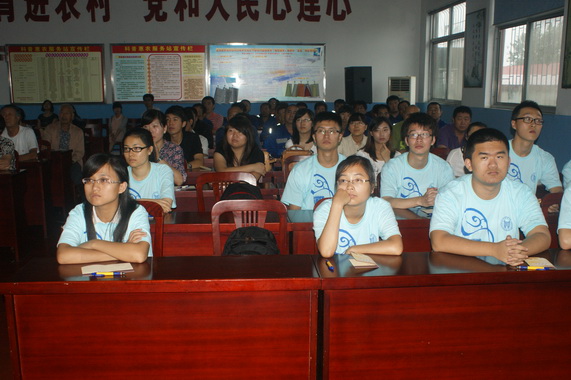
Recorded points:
(160, 10)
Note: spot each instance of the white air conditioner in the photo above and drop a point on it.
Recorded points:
(403, 87)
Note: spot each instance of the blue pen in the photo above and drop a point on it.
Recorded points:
(524, 267)
(330, 266)
(103, 274)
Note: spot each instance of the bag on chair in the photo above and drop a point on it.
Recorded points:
(241, 190)
(251, 241)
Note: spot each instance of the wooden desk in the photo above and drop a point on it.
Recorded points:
(12, 219)
(186, 200)
(443, 316)
(38, 193)
(191, 317)
(61, 186)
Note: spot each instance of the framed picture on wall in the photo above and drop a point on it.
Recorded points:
(474, 48)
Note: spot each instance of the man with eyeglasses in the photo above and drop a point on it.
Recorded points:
(530, 164)
(411, 181)
(314, 178)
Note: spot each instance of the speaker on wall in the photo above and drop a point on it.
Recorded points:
(359, 84)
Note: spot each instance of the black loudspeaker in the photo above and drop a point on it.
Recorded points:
(359, 84)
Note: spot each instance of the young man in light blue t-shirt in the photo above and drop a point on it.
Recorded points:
(411, 180)
(314, 178)
(530, 164)
(481, 214)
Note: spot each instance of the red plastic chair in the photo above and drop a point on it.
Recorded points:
(250, 212)
(158, 214)
(289, 162)
(441, 152)
(219, 182)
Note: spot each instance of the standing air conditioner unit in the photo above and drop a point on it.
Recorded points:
(403, 87)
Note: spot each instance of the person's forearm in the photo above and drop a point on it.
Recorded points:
(564, 238)
(538, 241)
(67, 254)
(442, 241)
(198, 161)
(403, 203)
(392, 246)
(327, 242)
(129, 252)
(5, 162)
(33, 155)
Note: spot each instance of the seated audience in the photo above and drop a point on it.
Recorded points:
(314, 178)
(566, 172)
(209, 104)
(453, 135)
(190, 113)
(168, 153)
(319, 107)
(235, 109)
(337, 104)
(148, 180)
(378, 149)
(353, 220)
(530, 164)
(279, 121)
(7, 157)
(302, 137)
(109, 224)
(403, 104)
(23, 138)
(47, 116)
(238, 151)
(435, 111)
(397, 138)
(393, 104)
(117, 125)
(62, 134)
(481, 214)
(188, 141)
(275, 141)
(202, 125)
(411, 180)
(456, 156)
(266, 119)
(345, 113)
(357, 124)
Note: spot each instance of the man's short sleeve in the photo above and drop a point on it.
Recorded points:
(167, 183)
(531, 215)
(390, 180)
(565, 211)
(294, 190)
(30, 138)
(73, 232)
(550, 176)
(320, 216)
(444, 215)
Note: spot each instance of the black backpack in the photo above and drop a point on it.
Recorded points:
(241, 190)
(251, 241)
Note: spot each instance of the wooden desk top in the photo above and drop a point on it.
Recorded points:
(170, 274)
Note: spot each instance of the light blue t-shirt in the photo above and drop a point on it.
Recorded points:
(565, 211)
(309, 182)
(459, 211)
(75, 231)
(400, 180)
(537, 167)
(566, 175)
(158, 184)
(378, 221)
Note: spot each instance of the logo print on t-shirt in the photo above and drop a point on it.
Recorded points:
(345, 240)
(475, 226)
(409, 188)
(134, 193)
(514, 173)
(96, 234)
(320, 186)
(506, 223)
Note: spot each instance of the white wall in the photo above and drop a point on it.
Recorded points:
(379, 33)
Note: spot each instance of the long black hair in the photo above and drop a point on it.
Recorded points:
(370, 145)
(242, 124)
(126, 202)
(298, 115)
(145, 136)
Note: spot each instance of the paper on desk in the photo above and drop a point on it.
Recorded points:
(116, 267)
(539, 262)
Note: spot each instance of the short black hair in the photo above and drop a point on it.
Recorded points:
(346, 109)
(318, 104)
(150, 115)
(117, 105)
(525, 104)
(177, 111)
(239, 105)
(404, 101)
(474, 125)
(360, 161)
(391, 98)
(327, 116)
(209, 98)
(483, 136)
(339, 101)
(434, 104)
(360, 103)
(148, 96)
(281, 106)
(462, 109)
(422, 119)
(301, 104)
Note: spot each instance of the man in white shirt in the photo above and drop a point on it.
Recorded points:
(24, 139)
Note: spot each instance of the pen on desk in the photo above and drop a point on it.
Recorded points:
(103, 274)
(329, 265)
(524, 267)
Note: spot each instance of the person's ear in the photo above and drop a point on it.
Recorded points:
(468, 164)
(122, 187)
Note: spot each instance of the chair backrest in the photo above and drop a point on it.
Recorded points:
(219, 182)
(548, 200)
(16, 161)
(319, 202)
(441, 152)
(158, 214)
(290, 161)
(45, 149)
(250, 212)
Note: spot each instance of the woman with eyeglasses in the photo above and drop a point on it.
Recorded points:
(148, 179)
(167, 152)
(356, 140)
(378, 149)
(301, 137)
(238, 151)
(109, 224)
(353, 221)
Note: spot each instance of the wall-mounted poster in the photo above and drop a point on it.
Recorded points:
(261, 72)
(60, 73)
(474, 49)
(169, 72)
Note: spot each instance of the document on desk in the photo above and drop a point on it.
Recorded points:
(115, 267)
(362, 261)
(539, 262)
